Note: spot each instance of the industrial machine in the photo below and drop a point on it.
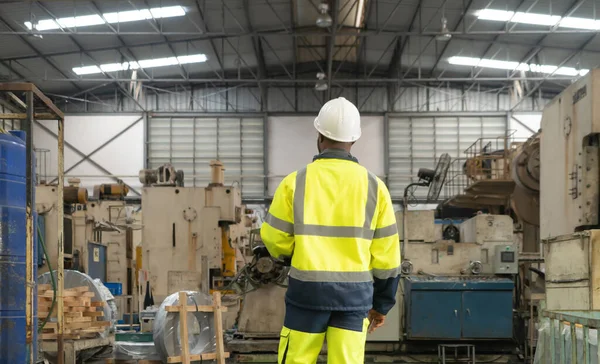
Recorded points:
(502, 176)
(569, 196)
(457, 283)
(187, 232)
(263, 283)
(459, 289)
(98, 234)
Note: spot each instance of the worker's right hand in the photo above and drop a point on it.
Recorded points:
(376, 320)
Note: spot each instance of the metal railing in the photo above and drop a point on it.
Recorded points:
(487, 159)
(579, 324)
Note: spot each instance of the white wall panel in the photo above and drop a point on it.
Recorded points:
(524, 125)
(292, 143)
(121, 157)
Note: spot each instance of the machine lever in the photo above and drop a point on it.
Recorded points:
(468, 312)
(456, 313)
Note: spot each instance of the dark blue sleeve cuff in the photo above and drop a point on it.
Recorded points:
(384, 296)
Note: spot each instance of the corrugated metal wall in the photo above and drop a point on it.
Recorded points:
(417, 140)
(190, 143)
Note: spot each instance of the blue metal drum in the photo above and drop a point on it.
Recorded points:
(13, 168)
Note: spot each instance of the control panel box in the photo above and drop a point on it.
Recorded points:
(506, 260)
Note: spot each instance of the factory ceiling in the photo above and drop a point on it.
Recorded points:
(74, 48)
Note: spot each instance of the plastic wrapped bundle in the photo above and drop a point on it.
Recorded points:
(128, 350)
(543, 353)
(201, 333)
(110, 300)
(73, 278)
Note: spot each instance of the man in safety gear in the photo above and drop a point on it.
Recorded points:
(335, 220)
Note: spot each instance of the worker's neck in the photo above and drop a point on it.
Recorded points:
(337, 146)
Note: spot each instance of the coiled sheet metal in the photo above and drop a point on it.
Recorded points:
(201, 333)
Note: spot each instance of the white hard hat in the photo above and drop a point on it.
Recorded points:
(339, 120)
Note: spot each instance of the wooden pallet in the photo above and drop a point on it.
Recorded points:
(82, 317)
(220, 355)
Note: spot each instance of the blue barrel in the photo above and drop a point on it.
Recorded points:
(13, 168)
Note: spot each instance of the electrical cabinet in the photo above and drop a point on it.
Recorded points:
(458, 308)
(96, 261)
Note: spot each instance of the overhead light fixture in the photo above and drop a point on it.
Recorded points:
(538, 19)
(111, 18)
(324, 19)
(512, 66)
(36, 35)
(444, 35)
(147, 63)
(34, 27)
(321, 84)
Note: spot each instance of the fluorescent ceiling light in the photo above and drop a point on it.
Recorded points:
(580, 23)
(111, 18)
(511, 66)
(538, 19)
(147, 63)
(496, 15)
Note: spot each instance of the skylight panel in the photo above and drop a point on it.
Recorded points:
(146, 63)
(111, 18)
(538, 19)
(511, 66)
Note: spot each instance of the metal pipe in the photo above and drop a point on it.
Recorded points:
(349, 32)
(61, 254)
(405, 176)
(29, 278)
(146, 141)
(305, 81)
(265, 151)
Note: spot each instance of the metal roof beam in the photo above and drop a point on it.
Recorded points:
(401, 45)
(254, 81)
(36, 51)
(360, 56)
(204, 28)
(535, 50)
(460, 21)
(107, 75)
(303, 32)
(154, 24)
(11, 69)
(260, 57)
(466, 36)
(331, 44)
(97, 10)
(573, 54)
(295, 41)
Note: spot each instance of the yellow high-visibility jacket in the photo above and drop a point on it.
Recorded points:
(336, 220)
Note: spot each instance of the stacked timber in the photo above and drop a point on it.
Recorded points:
(83, 319)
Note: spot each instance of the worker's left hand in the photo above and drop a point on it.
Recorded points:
(376, 320)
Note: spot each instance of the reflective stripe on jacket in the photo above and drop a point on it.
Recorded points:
(336, 220)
